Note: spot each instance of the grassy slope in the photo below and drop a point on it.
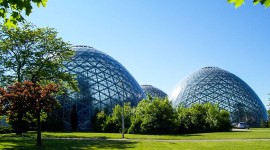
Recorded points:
(233, 140)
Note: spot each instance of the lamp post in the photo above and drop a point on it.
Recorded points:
(123, 121)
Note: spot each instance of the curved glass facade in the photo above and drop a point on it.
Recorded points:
(153, 91)
(212, 84)
(103, 83)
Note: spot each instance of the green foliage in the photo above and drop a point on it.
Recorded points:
(198, 118)
(184, 119)
(154, 117)
(99, 121)
(11, 10)
(19, 126)
(157, 116)
(268, 111)
(4, 130)
(219, 120)
(238, 3)
(52, 123)
(113, 122)
(203, 118)
(117, 116)
(34, 54)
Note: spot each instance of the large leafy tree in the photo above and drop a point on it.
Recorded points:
(27, 98)
(11, 11)
(238, 3)
(34, 54)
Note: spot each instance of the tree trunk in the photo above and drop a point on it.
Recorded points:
(38, 130)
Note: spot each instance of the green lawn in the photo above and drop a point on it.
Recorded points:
(241, 134)
(251, 139)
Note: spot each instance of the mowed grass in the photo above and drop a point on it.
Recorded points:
(139, 145)
(258, 133)
(243, 139)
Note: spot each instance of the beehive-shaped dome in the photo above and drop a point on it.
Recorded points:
(153, 91)
(215, 85)
(103, 83)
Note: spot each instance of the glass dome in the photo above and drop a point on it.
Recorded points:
(103, 83)
(212, 84)
(153, 91)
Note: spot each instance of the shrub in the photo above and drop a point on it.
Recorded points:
(53, 123)
(4, 129)
(113, 122)
(203, 118)
(154, 117)
(157, 116)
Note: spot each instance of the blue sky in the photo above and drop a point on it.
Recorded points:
(161, 42)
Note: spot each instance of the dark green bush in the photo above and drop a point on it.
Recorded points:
(203, 118)
(154, 116)
(20, 127)
(104, 122)
(53, 123)
(4, 129)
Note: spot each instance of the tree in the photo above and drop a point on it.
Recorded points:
(11, 10)
(238, 3)
(218, 119)
(268, 114)
(184, 119)
(154, 117)
(203, 118)
(27, 97)
(198, 118)
(34, 54)
(99, 121)
(14, 107)
(117, 115)
(113, 122)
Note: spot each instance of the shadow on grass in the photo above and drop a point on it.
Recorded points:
(59, 144)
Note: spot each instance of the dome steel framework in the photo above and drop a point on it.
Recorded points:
(103, 83)
(153, 91)
(214, 85)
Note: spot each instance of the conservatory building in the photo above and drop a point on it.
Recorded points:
(153, 91)
(218, 86)
(103, 83)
